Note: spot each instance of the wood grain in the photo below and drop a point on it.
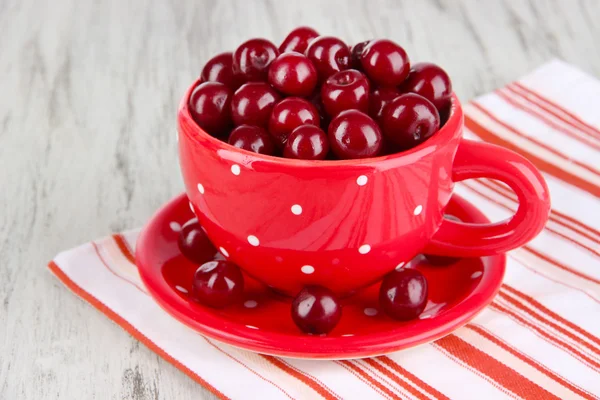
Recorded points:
(88, 94)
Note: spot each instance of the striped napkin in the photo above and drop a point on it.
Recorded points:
(539, 339)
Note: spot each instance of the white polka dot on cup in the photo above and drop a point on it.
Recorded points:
(200, 188)
(296, 209)
(418, 209)
(175, 226)
(476, 274)
(370, 312)
(364, 249)
(192, 208)
(251, 327)
(235, 169)
(253, 240)
(307, 269)
(362, 180)
(181, 289)
(399, 266)
(250, 303)
(223, 251)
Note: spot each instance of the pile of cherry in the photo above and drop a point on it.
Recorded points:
(218, 283)
(314, 98)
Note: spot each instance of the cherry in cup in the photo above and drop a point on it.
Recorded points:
(293, 74)
(355, 52)
(252, 104)
(353, 134)
(219, 69)
(307, 142)
(252, 138)
(289, 114)
(385, 62)
(403, 294)
(409, 120)
(194, 243)
(210, 107)
(379, 99)
(298, 40)
(251, 60)
(316, 310)
(329, 55)
(345, 90)
(431, 82)
(218, 284)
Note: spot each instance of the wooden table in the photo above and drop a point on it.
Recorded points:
(88, 95)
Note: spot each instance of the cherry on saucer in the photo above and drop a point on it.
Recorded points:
(194, 243)
(316, 310)
(218, 284)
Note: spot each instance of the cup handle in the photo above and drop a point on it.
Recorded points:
(484, 160)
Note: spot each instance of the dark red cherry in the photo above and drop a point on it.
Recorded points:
(218, 69)
(252, 104)
(252, 138)
(353, 134)
(194, 244)
(345, 90)
(403, 294)
(355, 52)
(442, 260)
(409, 120)
(379, 99)
(307, 142)
(315, 100)
(385, 62)
(293, 74)
(252, 59)
(289, 114)
(431, 82)
(218, 284)
(316, 310)
(329, 55)
(298, 39)
(210, 104)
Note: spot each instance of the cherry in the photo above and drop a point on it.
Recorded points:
(252, 104)
(293, 74)
(252, 59)
(385, 62)
(353, 134)
(345, 90)
(329, 55)
(403, 294)
(409, 120)
(355, 52)
(289, 114)
(252, 138)
(210, 107)
(316, 310)
(307, 142)
(379, 99)
(194, 244)
(218, 284)
(315, 100)
(431, 82)
(218, 69)
(443, 260)
(298, 40)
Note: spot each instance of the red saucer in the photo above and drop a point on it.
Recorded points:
(262, 323)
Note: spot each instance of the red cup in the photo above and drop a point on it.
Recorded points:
(345, 224)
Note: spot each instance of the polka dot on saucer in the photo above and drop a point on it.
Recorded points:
(181, 289)
(175, 226)
(223, 251)
(250, 303)
(200, 188)
(192, 207)
(253, 240)
(476, 274)
(418, 210)
(399, 266)
(364, 249)
(307, 269)
(251, 327)
(362, 180)
(296, 209)
(370, 312)
(235, 169)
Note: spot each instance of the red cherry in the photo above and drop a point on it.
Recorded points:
(442, 260)
(403, 294)
(293, 74)
(307, 142)
(194, 244)
(409, 120)
(355, 52)
(252, 104)
(353, 134)
(345, 90)
(252, 59)
(289, 114)
(298, 40)
(315, 100)
(329, 55)
(316, 310)
(218, 284)
(431, 82)
(385, 62)
(218, 69)
(379, 99)
(210, 107)
(252, 138)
